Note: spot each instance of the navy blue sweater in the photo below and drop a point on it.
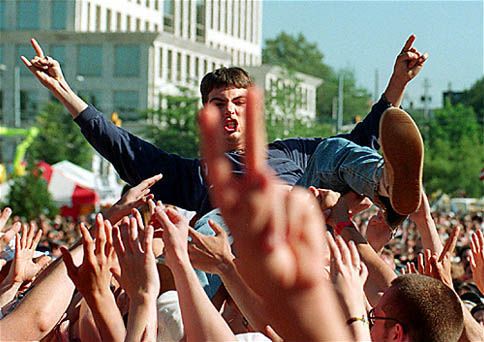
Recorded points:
(183, 182)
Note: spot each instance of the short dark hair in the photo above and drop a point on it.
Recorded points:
(426, 307)
(224, 78)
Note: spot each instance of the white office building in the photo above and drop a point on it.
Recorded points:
(122, 55)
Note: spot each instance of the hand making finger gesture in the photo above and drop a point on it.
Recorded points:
(45, 68)
(409, 62)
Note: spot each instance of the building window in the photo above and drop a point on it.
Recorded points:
(128, 23)
(187, 68)
(98, 18)
(90, 60)
(200, 19)
(118, 21)
(214, 66)
(2, 15)
(147, 26)
(88, 16)
(178, 66)
(160, 63)
(138, 24)
(197, 68)
(126, 60)
(157, 4)
(169, 65)
(180, 22)
(58, 14)
(108, 20)
(168, 15)
(27, 51)
(59, 53)
(205, 67)
(28, 14)
(28, 105)
(148, 3)
(126, 102)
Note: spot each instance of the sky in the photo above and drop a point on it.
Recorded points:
(368, 35)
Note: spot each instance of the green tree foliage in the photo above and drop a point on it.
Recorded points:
(474, 97)
(174, 127)
(454, 152)
(29, 197)
(59, 138)
(282, 103)
(296, 53)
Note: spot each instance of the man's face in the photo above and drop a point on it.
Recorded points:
(231, 103)
(380, 332)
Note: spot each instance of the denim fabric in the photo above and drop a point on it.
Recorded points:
(341, 165)
(210, 282)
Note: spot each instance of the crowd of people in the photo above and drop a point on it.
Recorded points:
(304, 239)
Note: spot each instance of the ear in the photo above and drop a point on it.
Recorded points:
(397, 333)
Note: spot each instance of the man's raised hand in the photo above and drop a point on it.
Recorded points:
(409, 62)
(45, 68)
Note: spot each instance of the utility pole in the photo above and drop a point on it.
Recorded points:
(426, 98)
(339, 121)
(16, 96)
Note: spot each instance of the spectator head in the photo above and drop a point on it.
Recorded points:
(417, 308)
(226, 88)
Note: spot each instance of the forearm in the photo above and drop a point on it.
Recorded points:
(142, 322)
(395, 90)
(380, 275)
(106, 316)
(200, 318)
(73, 103)
(250, 304)
(473, 331)
(430, 236)
(39, 305)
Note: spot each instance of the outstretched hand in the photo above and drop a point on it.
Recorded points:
(477, 259)
(93, 276)
(24, 269)
(45, 68)
(409, 62)
(210, 254)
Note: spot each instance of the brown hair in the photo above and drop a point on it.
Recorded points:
(224, 78)
(426, 307)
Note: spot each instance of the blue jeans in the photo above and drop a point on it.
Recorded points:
(341, 165)
(337, 164)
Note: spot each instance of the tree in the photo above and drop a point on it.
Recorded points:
(29, 197)
(282, 103)
(59, 138)
(297, 54)
(454, 147)
(174, 127)
(474, 97)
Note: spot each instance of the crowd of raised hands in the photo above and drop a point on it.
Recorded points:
(285, 276)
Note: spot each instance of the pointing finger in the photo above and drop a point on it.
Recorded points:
(37, 48)
(409, 43)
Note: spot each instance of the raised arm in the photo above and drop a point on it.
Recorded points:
(407, 65)
(212, 254)
(200, 318)
(49, 73)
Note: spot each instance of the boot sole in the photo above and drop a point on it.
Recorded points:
(403, 152)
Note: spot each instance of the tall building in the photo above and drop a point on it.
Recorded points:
(122, 55)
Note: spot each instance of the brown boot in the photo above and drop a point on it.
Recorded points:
(403, 152)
